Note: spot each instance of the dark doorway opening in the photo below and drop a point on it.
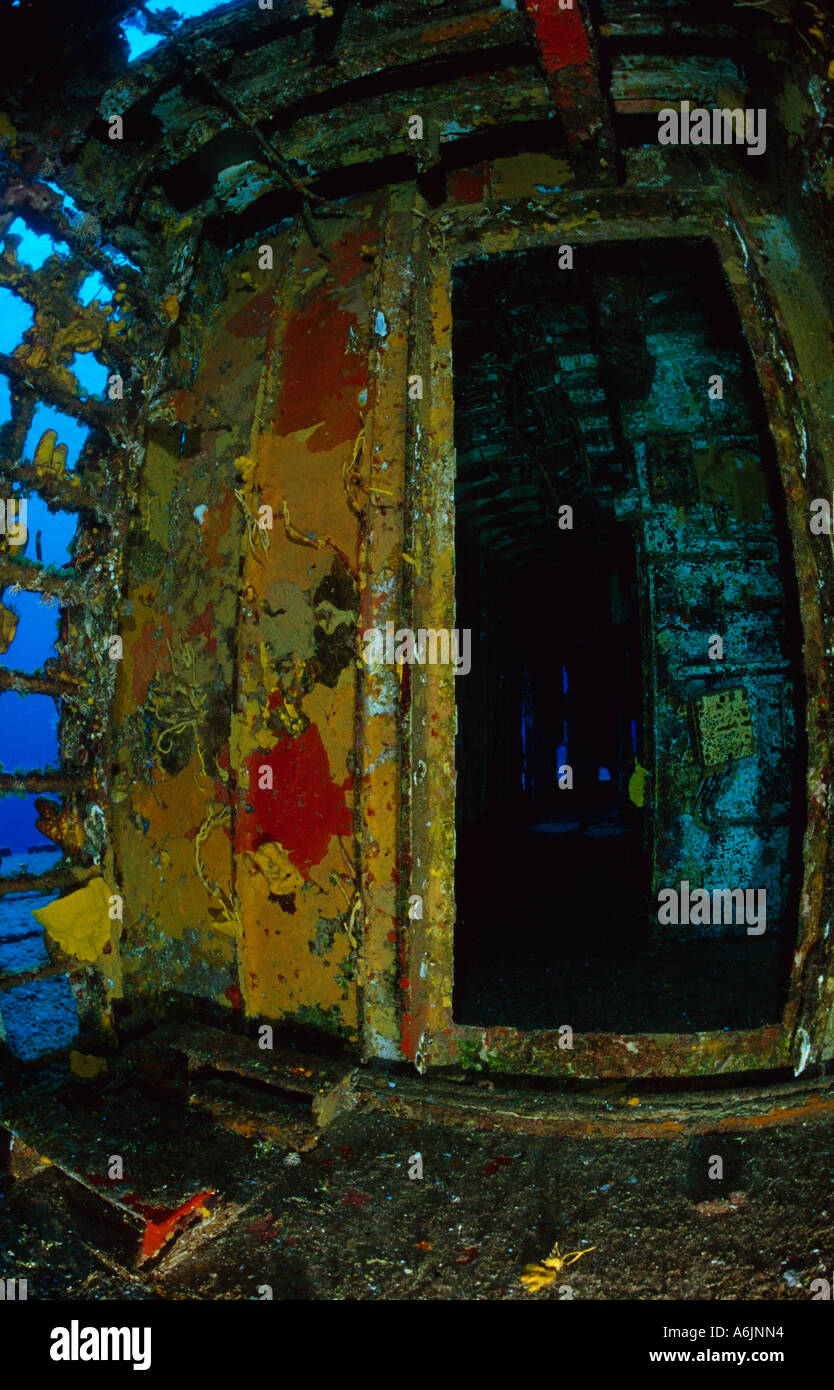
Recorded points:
(552, 862)
(571, 445)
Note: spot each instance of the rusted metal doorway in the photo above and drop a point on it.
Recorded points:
(417, 1000)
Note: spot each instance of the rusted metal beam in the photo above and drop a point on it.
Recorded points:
(657, 27)
(567, 54)
(42, 208)
(636, 1114)
(161, 68)
(651, 82)
(401, 63)
(63, 876)
(62, 490)
(336, 139)
(26, 574)
(61, 783)
(47, 388)
(268, 148)
(38, 685)
(471, 106)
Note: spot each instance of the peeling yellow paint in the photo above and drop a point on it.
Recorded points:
(79, 923)
(274, 863)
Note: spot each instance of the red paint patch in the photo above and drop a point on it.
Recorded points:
(408, 1041)
(265, 1229)
(162, 1222)
(235, 998)
(356, 1199)
(99, 1180)
(468, 1255)
(467, 185)
(183, 404)
(304, 810)
(502, 1161)
(561, 35)
(203, 626)
(321, 380)
(351, 255)
(145, 656)
(253, 320)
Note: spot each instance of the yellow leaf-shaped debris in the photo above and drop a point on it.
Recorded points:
(79, 923)
(637, 785)
(86, 1066)
(539, 1276)
(536, 1277)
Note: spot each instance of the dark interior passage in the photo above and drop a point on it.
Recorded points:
(550, 854)
(582, 417)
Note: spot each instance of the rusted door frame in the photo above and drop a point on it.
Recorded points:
(408, 815)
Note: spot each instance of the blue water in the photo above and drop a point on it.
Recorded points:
(34, 249)
(36, 637)
(118, 257)
(16, 316)
(19, 836)
(94, 286)
(186, 9)
(28, 732)
(70, 205)
(90, 372)
(56, 530)
(139, 42)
